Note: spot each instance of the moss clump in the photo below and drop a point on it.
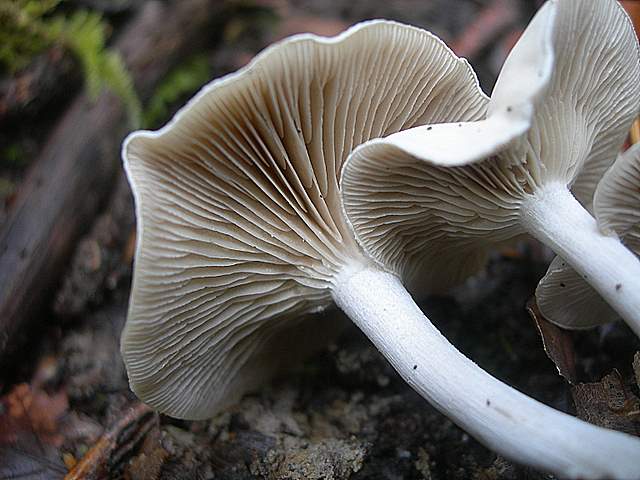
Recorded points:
(31, 26)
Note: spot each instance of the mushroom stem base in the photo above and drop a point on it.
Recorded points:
(499, 416)
(558, 220)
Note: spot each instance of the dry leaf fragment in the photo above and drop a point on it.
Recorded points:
(557, 343)
(147, 465)
(30, 436)
(27, 409)
(609, 404)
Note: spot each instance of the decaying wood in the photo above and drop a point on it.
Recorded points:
(37, 86)
(70, 179)
(102, 258)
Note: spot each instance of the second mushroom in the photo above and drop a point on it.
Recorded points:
(563, 296)
(557, 118)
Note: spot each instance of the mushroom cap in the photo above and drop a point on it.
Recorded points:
(449, 192)
(563, 296)
(616, 203)
(522, 80)
(240, 226)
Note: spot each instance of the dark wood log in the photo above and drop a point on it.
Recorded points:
(69, 181)
(40, 86)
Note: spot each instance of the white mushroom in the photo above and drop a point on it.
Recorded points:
(241, 235)
(571, 119)
(241, 231)
(563, 296)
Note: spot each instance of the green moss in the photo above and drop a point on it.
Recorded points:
(29, 27)
(23, 34)
(13, 156)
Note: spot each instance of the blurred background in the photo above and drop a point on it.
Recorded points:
(75, 77)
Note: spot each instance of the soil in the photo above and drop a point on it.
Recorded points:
(343, 413)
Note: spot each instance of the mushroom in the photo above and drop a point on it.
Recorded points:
(242, 237)
(555, 121)
(563, 296)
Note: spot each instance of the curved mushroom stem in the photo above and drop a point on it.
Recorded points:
(557, 219)
(499, 416)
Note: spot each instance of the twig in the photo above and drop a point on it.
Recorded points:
(118, 442)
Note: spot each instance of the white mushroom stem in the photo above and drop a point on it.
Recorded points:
(499, 416)
(557, 219)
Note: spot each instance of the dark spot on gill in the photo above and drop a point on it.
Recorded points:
(562, 284)
(618, 287)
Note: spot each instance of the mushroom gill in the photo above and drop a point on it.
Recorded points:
(238, 203)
